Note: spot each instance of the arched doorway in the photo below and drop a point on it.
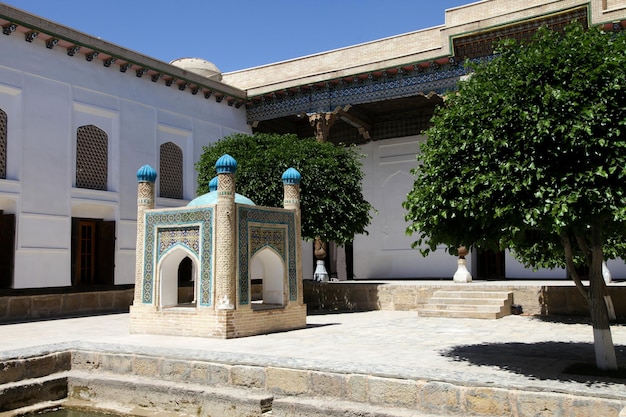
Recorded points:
(268, 269)
(178, 270)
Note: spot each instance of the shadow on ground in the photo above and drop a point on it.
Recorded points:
(620, 321)
(542, 360)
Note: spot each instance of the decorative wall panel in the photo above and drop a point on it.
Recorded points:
(258, 229)
(165, 229)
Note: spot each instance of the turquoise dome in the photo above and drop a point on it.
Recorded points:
(213, 184)
(226, 164)
(146, 174)
(211, 197)
(291, 176)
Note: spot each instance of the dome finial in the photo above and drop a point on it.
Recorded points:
(291, 176)
(213, 184)
(146, 174)
(226, 165)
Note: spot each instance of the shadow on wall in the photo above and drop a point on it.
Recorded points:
(568, 301)
(327, 297)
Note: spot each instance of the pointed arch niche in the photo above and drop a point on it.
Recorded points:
(172, 294)
(268, 270)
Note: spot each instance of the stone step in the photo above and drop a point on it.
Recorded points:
(472, 294)
(460, 314)
(458, 300)
(465, 307)
(469, 304)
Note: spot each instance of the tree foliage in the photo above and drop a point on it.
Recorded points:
(531, 144)
(332, 203)
(530, 155)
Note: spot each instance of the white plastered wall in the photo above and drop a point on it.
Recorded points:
(386, 252)
(47, 95)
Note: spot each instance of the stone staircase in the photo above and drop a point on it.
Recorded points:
(473, 304)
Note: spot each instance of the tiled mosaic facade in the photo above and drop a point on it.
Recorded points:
(3, 144)
(171, 171)
(260, 228)
(91, 158)
(168, 228)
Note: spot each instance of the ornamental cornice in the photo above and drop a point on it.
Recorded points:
(41, 32)
(435, 77)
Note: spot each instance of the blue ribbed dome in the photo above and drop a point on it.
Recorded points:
(213, 184)
(291, 176)
(226, 165)
(211, 198)
(146, 174)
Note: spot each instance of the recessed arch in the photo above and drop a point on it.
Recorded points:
(168, 283)
(171, 167)
(92, 156)
(268, 266)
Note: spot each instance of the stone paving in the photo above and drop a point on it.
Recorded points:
(512, 352)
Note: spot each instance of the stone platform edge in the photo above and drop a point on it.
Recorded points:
(180, 385)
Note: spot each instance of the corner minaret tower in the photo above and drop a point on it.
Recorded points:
(146, 176)
(225, 217)
(291, 201)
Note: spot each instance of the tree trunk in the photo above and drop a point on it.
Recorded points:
(603, 341)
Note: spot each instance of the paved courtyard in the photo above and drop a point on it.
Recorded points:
(512, 352)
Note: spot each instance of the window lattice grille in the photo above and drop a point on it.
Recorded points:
(482, 44)
(91, 158)
(171, 167)
(3, 144)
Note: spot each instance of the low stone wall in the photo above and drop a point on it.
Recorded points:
(332, 296)
(45, 306)
(141, 384)
(366, 296)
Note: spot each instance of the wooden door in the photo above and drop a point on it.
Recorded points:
(7, 249)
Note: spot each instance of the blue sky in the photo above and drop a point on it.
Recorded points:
(238, 34)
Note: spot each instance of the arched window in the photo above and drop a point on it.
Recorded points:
(171, 167)
(91, 158)
(3, 144)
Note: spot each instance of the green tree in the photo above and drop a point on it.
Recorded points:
(331, 201)
(530, 155)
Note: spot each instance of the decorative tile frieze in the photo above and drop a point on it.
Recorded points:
(403, 84)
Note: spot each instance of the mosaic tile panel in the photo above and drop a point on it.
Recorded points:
(162, 229)
(255, 231)
(171, 167)
(3, 144)
(261, 237)
(186, 236)
(92, 154)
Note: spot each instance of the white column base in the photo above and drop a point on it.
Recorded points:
(462, 274)
(320, 274)
(604, 349)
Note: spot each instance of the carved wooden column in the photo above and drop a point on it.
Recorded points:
(322, 122)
